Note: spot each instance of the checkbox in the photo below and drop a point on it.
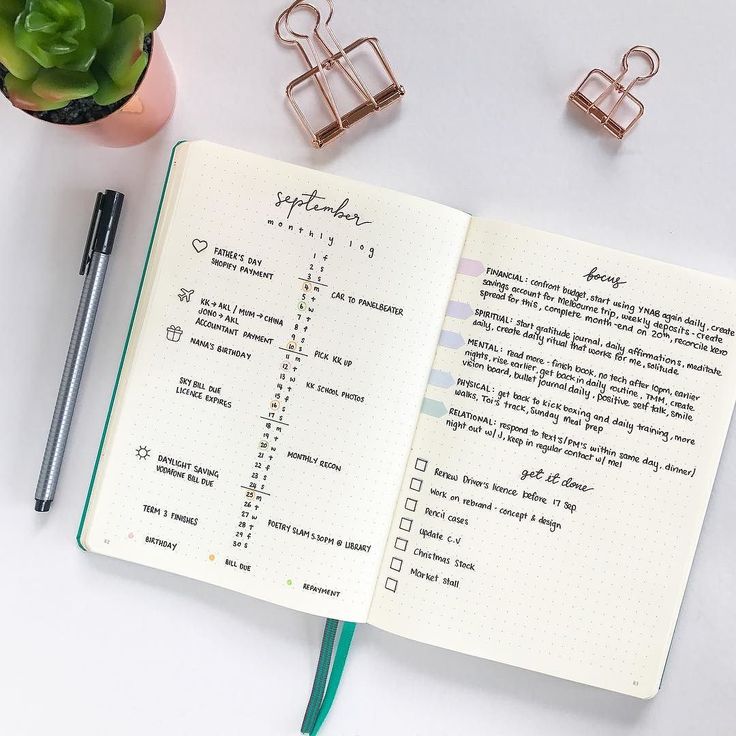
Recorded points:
(420, 464)
(405, 524)
(396, 564)
(410, 504)
(401, 544)
(415, 484)
(391, 584)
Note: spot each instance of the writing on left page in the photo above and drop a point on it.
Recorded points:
(275, 371)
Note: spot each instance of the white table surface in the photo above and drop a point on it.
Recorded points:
(93, 646)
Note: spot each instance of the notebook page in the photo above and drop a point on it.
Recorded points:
(277, 364)
(564, 459)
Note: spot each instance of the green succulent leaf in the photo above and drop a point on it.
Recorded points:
(11, 9)
(37, 21)
(99, 17)
(63, 45)
(111, 91)
(49, 18)
(61, 84)
(98, 24)
(63, 33)
(60, 50)
(79, 59)
(25, 41)
(151, 11)
(123, 48)
(15, 60)
(22, 95)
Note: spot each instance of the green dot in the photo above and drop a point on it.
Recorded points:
(289, 581)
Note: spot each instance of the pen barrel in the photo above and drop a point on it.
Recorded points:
(71, 377)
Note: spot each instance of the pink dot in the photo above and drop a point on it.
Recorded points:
(131, 535)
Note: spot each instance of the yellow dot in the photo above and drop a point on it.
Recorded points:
(212, 557)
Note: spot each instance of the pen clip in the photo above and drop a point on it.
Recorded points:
(91, 234)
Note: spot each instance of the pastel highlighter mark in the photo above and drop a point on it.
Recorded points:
(441, 379)
(469, 267)
(433, 408)
(452, 340)
(459, 310)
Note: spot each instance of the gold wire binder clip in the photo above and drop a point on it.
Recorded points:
(613, 117)
(324, 57)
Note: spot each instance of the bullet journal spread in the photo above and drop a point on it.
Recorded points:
(366, 406)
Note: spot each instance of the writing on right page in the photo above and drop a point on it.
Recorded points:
(563, 460)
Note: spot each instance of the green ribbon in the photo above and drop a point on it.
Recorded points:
(324, 691)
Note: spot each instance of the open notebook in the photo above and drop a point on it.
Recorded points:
(370, 407)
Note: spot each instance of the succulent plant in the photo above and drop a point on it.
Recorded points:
(57, 51)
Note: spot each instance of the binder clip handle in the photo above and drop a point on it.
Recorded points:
(649, 54)
(285, 19)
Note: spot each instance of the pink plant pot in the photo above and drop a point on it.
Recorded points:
(145, 113)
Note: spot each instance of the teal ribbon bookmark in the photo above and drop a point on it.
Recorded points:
(320, 676)
(324, 690)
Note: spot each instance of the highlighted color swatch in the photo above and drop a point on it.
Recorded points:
(452, 340)
(433, 408)
(441, 379)
(469, 267)
(459, 310)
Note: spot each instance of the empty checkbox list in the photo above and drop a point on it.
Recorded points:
(429, 528)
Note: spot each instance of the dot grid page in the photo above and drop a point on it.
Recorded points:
(563, 461)
(269, 395)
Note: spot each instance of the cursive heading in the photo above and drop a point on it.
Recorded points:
(313, 203)
(595, 275)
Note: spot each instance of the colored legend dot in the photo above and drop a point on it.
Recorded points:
(212, 557)
(289, 582)
(130, 535)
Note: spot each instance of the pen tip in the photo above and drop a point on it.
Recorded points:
(43, 505)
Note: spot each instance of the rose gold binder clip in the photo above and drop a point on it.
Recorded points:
(614, 107)
(325, 57)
